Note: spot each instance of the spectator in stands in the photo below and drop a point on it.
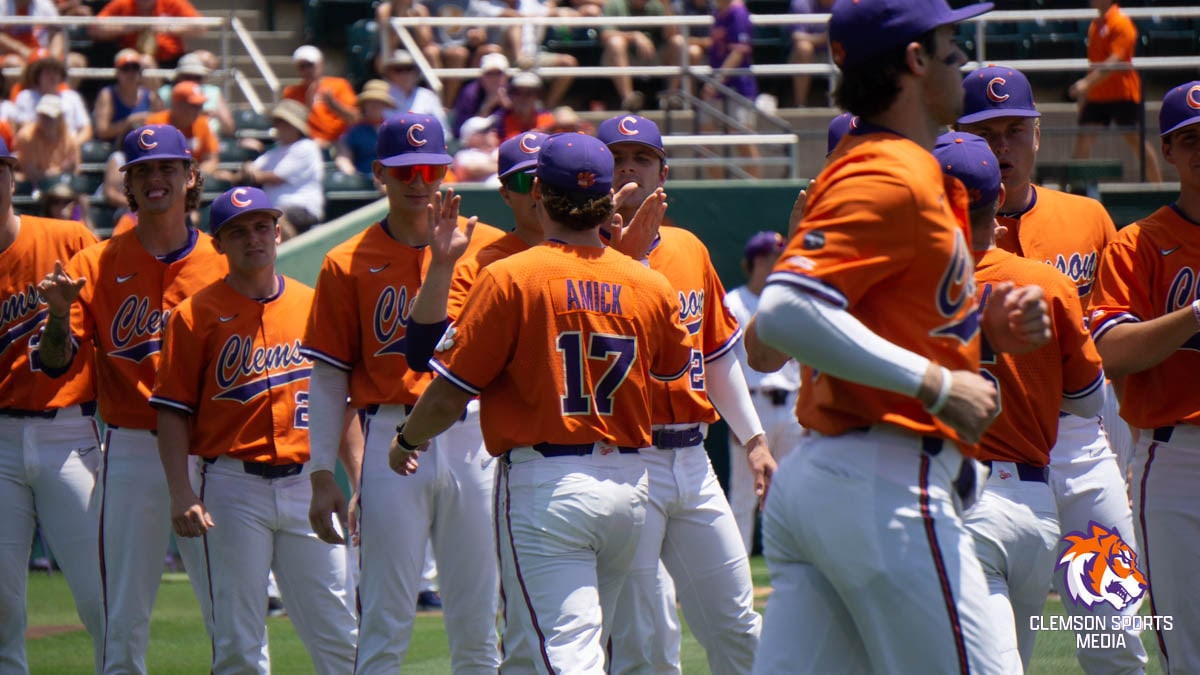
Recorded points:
(125, 105)
(47, 148)
(389, 37)
(528, 43)
(59, 200)
(165, 42)
(566, 120)
(809, 40)
(731, 33)
(639, 46)
(18, 42)
(476, 161)
(1111, 92)
(195, 67)
(45, 76)
(404, 86)
(525, 110)
(292, 172)
(484, 96)
(356, 147)
(330, 101)
(72, 8)
(185, 114)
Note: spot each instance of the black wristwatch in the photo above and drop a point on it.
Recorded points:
(400, 440)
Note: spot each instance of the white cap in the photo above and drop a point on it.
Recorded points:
(308, 54)
(526, 80)
(192, 64)
(400, 57)
(493, 61)
(50, 105)
(475, 125)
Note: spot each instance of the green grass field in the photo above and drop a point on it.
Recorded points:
(178, 643)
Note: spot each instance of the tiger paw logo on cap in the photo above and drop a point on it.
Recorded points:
(586, 179)
(1100, 567)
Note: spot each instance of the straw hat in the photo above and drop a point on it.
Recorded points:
(292, 112)
(376, 90)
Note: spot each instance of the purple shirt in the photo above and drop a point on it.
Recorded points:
(470, 98)
(732, 27)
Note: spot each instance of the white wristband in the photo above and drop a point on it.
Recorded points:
(943, 394)
(1196, 310)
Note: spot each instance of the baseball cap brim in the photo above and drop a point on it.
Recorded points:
(1186, 123)
(151, 158)
(632, 141)
(963, 13)
(214, 227)
(527, 166)
(995, 113)
(415, 158)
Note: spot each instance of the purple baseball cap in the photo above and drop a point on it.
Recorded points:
(520, 153)
(236, 202)
(154, 141)
(1180, 108)
(860, 29)
(996, 91)
(838, 127)
(763, 243)
(6, 156)
(409, 139)
(631, 129)
(574, 162)
(969, 158)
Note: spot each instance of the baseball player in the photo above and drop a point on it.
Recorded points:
(1069, 232)
(356, 336)
(571, 497)
(232, 388)
(117, 295)
(689, 524)
(1015, 522)
(774, 394)
(894, 336)
(49, 448)
(1145, 317)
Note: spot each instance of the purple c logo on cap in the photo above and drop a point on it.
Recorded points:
(526, 147)
(1193, 97)
(145, 144)
(623, 129)
(237, 198)
(413, 140)
(992, 95)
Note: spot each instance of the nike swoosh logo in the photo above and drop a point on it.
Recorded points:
(1169, 251)
(226, 319)
(377, 270)
(123, 279)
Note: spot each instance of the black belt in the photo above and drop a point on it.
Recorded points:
(778, 397)
(577, 450)
(677, 438)
(87, 409)
(1028, 472)
(964, 482)
(266, 470)
(1163, 434)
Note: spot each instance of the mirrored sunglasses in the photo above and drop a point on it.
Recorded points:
(429, 173)
(520, 182)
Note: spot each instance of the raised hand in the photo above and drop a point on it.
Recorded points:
(1015, 320)
(447, 241)
(59, 290)
(635, 239)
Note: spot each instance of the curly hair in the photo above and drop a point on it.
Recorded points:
(191, 200)
(576, 210)
(868, 88)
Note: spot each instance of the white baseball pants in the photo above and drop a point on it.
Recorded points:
(783, 434)
(568, 528)
(48, 471)
(449, 499)
(871, 567)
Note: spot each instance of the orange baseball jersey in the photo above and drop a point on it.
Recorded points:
(1153, 269)
(1109, 35)
(561, 343)
(1064, 230)
(1032, 386)
(23, 386)
(323, 122)
(882, 239)
(234, 365)
(683, 259)
(201, 139)
(468, 268)
(359, 316)
(122, 310)
(168, 45)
